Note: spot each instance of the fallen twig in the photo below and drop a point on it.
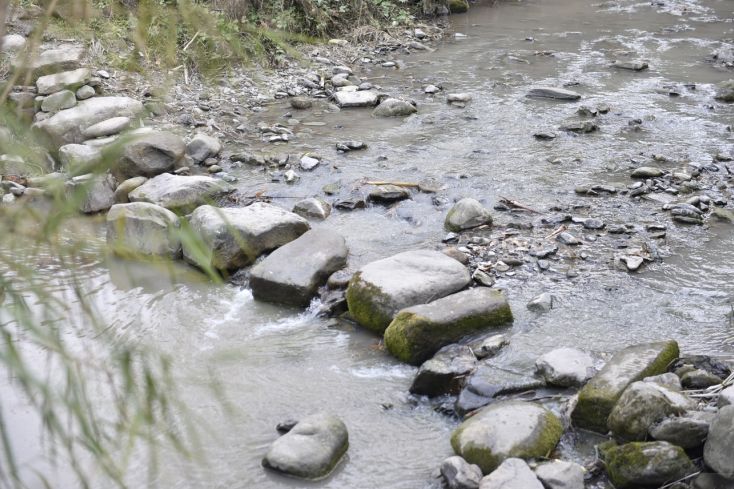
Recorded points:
(192, 40)
(517, 205)
(558, 231)
(397, 184)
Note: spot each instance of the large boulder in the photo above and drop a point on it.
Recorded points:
(513, 473)
(93, 193)
(559, 474)
(718, 452)
(488, 382)
(642, 405)
(646, 464)
(457, 473)
(393, 107)
(598, 397)
(443, 374)
(417, 332)
(67, 126)
(146, 154)
(66, 80)
(566, 367)
(50, 61)
(180, 194)
(382, 288)
(467, 214)
(231, 238)
(506, 429)
(687, 431)
(141, 228)
(311, 449)
(293, 273)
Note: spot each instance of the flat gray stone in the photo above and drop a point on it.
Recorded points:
(392, 107)
(443, 374)
(382, 288)
(293, 273)
(311, 449)
(95, 192)
(85, 92)
(67, 80)
(513, 473)
(718, 452)
(50, 61)
(64, 99)
(559, 474)
(234, 237)
(566, 367)
(145, 154)
(418, 332)
(141, 228)
(457, 473)
(109, 127)
(688, 431)
(123, 190)
(364, 98)
(632, 65)
(79, 158)
(553, 93)
(599, 396)
(180, 193)
(488, 382)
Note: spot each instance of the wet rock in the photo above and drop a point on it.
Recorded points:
(646, 464)
(180, 193)
(312, 208)
(50, 61)
(718, 451)
(382, 288)
(725, 91)
(417, 332)
(339, 279)
(108, 127)
(94, 193)
(59, 101)
(580, 127)
(467, 214)
(79, 158)
(647, 172)
(724, 215)
(202, 147)
(554, 93)
(431, 89)
(559, 474)
(543, 251)
(392, 107)
(504, 430)
(641, 406)
(347, 146)
(635, 65)
(301, 103)
(457, 473)
(668, 380)
(458, 6)
(387, 194)
(545, 136)
(67, 80)
(711, 481)
(67, 125)
(141, 228)
(146, 154)
(444, 373)
(308, 163)
(568, 239)
(592, 223)
(566, 367)
(233, 237)
(699, 379)
(489, 382)
(123, 190)
(293, 273)
(311, 449)
(364, 98)
(513, 473)
(599, 396)
(631, 262)
(726, 397)
(458, 99)
(541, 303)
(490, 346)
(688, 431)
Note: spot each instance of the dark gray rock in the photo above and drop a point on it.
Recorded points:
(489, 382)
(147, 154)
(688, 431)
(467, 214)
(725, 91)
(311, 449)
(388, 194)
(718, 452)
(553, 93)
(699, 379)
(293, 273)
(444, 373)
(141, 228)
(94, 193)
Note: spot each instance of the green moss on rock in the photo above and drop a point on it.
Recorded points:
(646, 464)
(458, 6)
(361, 300)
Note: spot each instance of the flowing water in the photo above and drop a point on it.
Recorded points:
(276, 363)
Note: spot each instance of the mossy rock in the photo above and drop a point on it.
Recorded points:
(598, 397)
(418, 332)
(504, 430)
(382, 288)
(458, 6)
(646, 464)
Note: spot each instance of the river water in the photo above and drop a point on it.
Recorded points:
(276, 363)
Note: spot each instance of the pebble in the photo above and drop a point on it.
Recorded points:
(568, 239)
